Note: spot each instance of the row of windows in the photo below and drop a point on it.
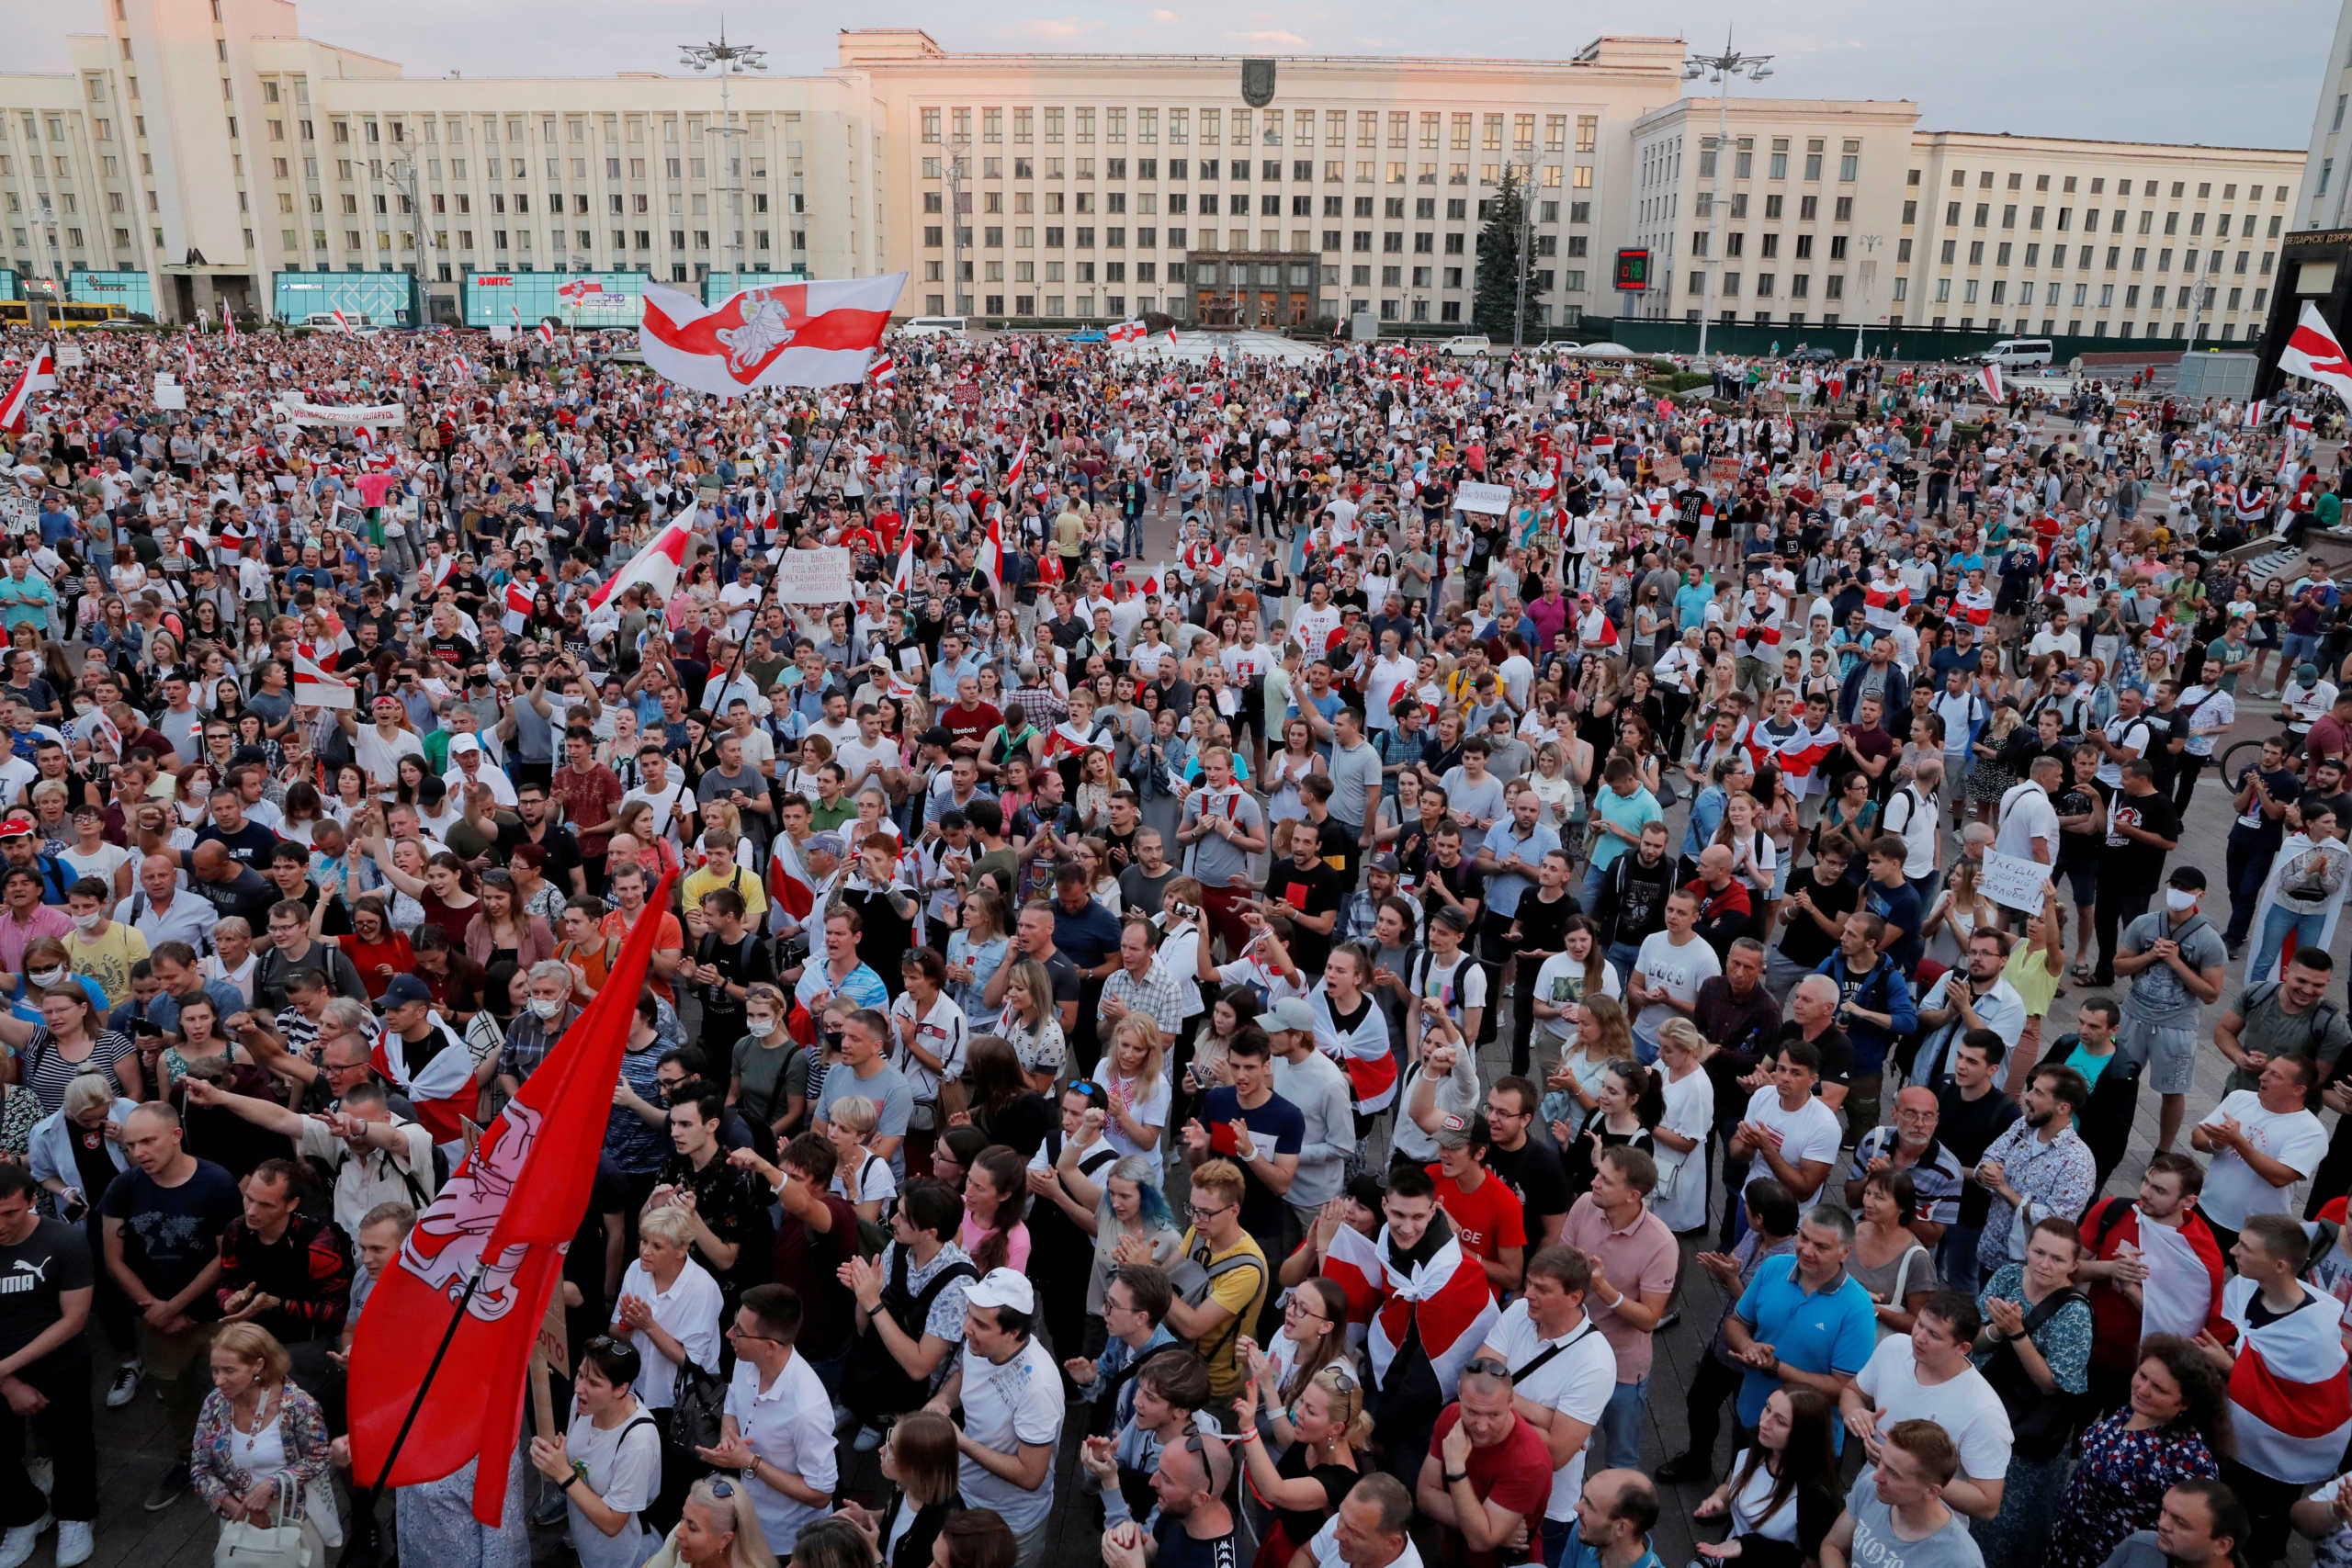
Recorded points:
(2116, 220)
(1550, 176)
(1767, 245)
(1842, 208)
(1181, 203)
(585, 239)
(1246, 130)
(1148, 237)
(2099, 185)
(2023, 294)
(2228, 331)
(1776, 164)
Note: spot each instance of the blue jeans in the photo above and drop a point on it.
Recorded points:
(1616, 1441)
(1588, 895)
(2275, 927)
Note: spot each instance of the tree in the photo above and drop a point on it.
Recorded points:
(1500, 265)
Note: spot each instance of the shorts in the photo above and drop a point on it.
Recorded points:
(2081, 876)
(2170, 1054)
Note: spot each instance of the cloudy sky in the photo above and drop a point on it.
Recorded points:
(2162, 70)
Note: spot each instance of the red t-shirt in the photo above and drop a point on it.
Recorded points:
(1486, 1220)
(667, 937)
(973, 725)
(1515, 1473)
(589, 798)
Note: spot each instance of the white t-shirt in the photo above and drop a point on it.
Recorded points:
(2235, 1190)
(2027, 815)
(1004, 1407)
(624, 1469)
(1810, 1131)
(2334, 1550)
(1677, 971)
(1964, 1406)
(1578, 1383)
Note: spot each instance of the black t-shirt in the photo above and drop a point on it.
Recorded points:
(560, 843)
(2083, 800)
(1309, 890)
(248, 894)
(1967, 1127)
(173, 1232)
(1837, 1051)
(1544, 928)
(1276, 1127)
(1534, 1174)
(726, 1200)
(34, 1275)
(2133, 863)
(1178, 1549)
(1803, 941)
(249, 846)
(1463, 879)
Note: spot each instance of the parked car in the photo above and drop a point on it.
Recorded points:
(1468, 346)
(1814, 354)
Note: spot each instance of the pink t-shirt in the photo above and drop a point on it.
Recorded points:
(1016, 1247)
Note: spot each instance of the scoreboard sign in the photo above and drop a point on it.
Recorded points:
(1632, 269)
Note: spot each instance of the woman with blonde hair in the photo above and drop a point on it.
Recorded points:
(718, 1528)
(1603, 1036)
(1324, 1431)
(1135, 1078)
(261, 1442)
(861, 1178)
(1029, 1023)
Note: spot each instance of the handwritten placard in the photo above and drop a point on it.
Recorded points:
(815, 577)
(1491, 500)
(2014, 882)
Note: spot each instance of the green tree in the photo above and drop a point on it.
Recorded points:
(1500, 265)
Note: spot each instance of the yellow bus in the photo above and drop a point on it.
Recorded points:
(65, 312)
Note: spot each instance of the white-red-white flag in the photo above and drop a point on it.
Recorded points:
(519, 598)
(660, 563)
(547, 333)
(902, 580)
(884, 373)
(2254, 413)
(17, 405)
(989, 559)
(1990, 376)
(1125, 331)
(343, 322)
(2313, 353)
(793, 335)
(229, 325)
(1020, 461)
(313, 687)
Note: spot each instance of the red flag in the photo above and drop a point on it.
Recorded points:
(501, 1223)
(17, 405)
(519, 598)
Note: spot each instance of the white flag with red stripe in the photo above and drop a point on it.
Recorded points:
(343, 322)
(1352, 1262)
(1125, 331)
(441, 1089)
(883, 372)
(313, 687)
(1990, 376)
(661, 563)
(229, 325)
(989, 561)
(17, 407)
(2254, 413)
(1020, 463)
(793, 335)
(2290, 1395)
(1445, 1298)
(2312, 352)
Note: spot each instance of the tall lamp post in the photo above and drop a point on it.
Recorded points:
(1518, 307)
(1870, 243)
(728, 58)
(1719, 69)
(400, 174)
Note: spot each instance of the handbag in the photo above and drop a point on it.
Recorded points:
(279, 1544)
(1902, 1285)
(2040, 1424)
(696, 1407)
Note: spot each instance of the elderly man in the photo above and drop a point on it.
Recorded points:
(1487, 1476)
(1371, 1529)
(161, 912)
(469, 766)
(1910, 1144)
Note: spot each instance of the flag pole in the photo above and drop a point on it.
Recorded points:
(743, 644)
(359, 1550)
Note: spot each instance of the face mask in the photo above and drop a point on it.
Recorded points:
(87, 923)
(762, 1027)
(46, 978)
(2180, 899)
(547, 1009)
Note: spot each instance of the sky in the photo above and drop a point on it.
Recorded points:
(2160, 71)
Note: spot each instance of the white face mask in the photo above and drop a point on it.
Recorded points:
(762, 1027)
(2180, 898)
(46, 978)
(89, 922)
(547, 1009)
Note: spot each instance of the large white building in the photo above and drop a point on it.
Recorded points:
(203, 153)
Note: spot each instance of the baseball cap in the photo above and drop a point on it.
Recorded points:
(1002, 1288)
(461, 744)
(405, 989)
(1459, 1132)
(1292, 1014)
(1383, 861)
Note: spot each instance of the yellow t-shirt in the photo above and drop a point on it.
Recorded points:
(1241, 1289)
(2030, 975)
(709, 879)
(107, 958)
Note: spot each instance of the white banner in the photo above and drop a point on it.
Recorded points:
(169, 393)
(302, 413)
(815, 577)
(2014, 881)
(70, 357)
(1493, 499)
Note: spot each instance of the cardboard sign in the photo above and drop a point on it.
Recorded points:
(70, 357)
(1722, 470)
(1669, 470)
(2014, 881)
(169, 394)
(815, 577)
(1491, 500)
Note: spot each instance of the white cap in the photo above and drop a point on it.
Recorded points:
(1002, 1288)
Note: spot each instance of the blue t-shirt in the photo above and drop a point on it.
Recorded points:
(1814, 1331)
(1691, 602)
(173, 1232)
(1898, 906)
(1631, 812)
(1276, 1128)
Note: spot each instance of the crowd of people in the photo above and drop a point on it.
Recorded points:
(1223, 1003)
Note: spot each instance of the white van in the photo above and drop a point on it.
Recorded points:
(326, 319)
(932, 326)
(1467, 347)
(2012, 352)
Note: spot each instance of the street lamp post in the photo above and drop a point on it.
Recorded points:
(728, 58)
(956, 232)
(401, 173)
(1719, 69)
(1862, 306)
(1519, 308)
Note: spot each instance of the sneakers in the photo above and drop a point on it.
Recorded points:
(16, 1546)
(866, 1441)
(72, 1543)
(125, 1387)
(167, 1490)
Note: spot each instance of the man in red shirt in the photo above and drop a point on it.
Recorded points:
(1489, 1474)
(2331, 735)
(968, 719)
(1485, 1213)
(590, 795)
